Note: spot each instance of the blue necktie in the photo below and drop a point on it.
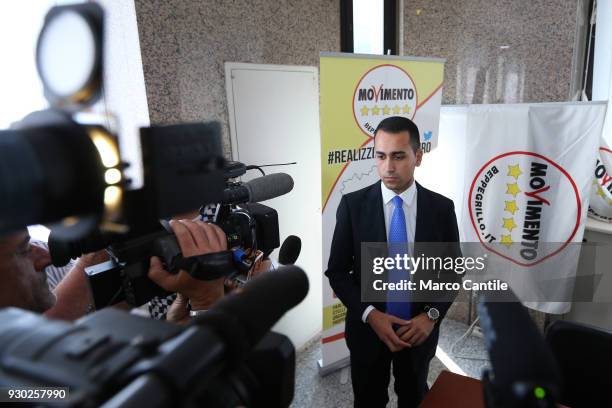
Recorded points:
(398, 301)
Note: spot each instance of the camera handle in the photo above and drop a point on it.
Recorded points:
(203, 267)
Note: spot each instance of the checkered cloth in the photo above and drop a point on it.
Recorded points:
(208, 213)
(158, 307)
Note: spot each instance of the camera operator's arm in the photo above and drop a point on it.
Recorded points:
(194, 238)
(73, 293)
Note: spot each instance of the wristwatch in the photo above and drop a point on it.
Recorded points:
(432, 313)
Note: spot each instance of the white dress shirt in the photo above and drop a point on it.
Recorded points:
(410, 210)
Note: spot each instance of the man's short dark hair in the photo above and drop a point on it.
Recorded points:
(397, 124)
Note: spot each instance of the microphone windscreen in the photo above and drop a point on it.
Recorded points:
(260, 304)
(290, 250)
(268, 187)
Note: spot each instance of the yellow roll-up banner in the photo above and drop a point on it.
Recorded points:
(357, 92)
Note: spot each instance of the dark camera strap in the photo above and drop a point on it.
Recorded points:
(209, 266)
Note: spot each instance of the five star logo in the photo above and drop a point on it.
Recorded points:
(513, 189)
(512, 200)
(514, 171)
(511, 207)
(382, 91)
(509, 224)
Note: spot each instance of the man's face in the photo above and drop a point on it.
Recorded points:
(396, 160)
(20, 284)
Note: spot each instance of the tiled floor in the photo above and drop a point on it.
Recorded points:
(334, 390)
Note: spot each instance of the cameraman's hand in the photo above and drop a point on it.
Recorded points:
(179, 310)
(92, 259)
(194, 238)
(73, 292)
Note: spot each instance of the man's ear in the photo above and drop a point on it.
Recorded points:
(419, 156)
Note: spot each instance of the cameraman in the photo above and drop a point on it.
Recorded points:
(25, 287)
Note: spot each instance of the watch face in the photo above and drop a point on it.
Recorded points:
(433, 313)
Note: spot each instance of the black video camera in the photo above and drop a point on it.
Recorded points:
(248, 225)
(224, 358)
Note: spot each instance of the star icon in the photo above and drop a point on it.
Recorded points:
(506, 240)
(364, 111)
(406, 109)
(514, 171)
(511, 206)
(396, 110)
(509, 224)
(375, 110)
(513, 189)
(386, 110)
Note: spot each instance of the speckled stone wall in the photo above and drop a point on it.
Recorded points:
(185, 43)
(497, 51)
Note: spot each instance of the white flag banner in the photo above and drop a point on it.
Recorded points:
(529, 172)
(600, 205)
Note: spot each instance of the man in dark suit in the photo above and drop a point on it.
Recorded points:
(395, 209)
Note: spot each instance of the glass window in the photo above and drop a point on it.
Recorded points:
(368, 26)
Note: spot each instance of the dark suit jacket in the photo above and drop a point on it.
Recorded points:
(360, 218)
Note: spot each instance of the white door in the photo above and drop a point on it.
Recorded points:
(274, 118)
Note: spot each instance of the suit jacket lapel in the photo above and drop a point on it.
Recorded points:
(374, 228)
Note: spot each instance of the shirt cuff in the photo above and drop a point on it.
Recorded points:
(366, 312)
